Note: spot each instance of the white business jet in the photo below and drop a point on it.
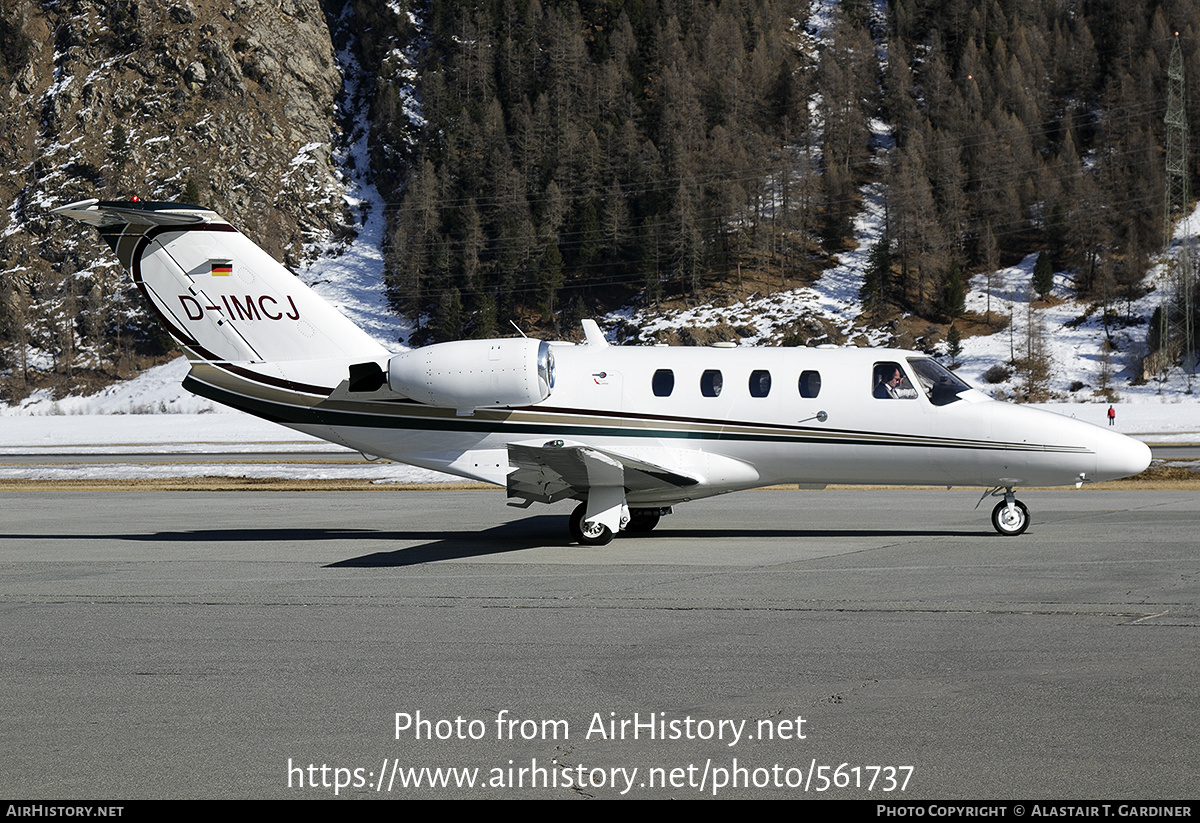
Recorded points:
(627, 431)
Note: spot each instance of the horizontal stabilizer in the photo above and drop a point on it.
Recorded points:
(118, 212)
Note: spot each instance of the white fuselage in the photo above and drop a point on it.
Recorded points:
(604, 397)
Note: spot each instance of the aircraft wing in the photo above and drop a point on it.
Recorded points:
(554, 471)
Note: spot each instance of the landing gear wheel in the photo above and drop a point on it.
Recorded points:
(1010, 520)
(643, 520)
(596, 535)
(575, 523)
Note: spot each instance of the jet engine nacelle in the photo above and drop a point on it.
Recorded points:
(469, 374)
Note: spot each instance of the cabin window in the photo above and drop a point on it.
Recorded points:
(940, 385)
(889, 382)
(711, 383)
(663, 383)
(810, 383)
(760, 383)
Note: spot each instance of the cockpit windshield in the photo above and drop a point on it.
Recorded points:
(940, 385)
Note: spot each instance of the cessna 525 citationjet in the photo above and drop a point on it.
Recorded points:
(627, 431)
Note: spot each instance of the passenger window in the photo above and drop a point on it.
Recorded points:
(890, 383)
(810, 383)
(760, 383)
(711, 383)
(663, 383)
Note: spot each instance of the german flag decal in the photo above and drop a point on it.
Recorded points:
(221, 268)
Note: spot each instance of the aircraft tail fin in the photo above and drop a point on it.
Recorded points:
(217, 293)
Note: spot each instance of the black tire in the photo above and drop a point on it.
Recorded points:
(643, 520)
(598, 535)
(575, 523)
(1010, 522)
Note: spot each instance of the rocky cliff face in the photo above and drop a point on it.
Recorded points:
(232, 104)
(236, 97)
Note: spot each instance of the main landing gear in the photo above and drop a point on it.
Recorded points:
(1010, 517)
(597, 534)
(592, 534)
(643, 520)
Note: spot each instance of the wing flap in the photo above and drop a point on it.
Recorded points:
(549, 473)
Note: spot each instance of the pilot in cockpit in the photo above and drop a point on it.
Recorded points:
(890, 382)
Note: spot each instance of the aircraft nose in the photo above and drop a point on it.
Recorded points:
(1120, 456)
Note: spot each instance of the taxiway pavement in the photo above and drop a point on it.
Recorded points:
(228, 644)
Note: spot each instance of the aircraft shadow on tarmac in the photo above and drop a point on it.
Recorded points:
(547, 532)
(543, 531)
(532, 533)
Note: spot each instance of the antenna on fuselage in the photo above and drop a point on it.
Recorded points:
(518, 328)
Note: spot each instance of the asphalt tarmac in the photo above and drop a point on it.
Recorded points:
(822, 644)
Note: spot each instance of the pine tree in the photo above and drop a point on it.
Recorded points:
(953, 345)
(876, 278)
(484, 318)
(954, 296)
(1105, 373)
(191, 193)
(1043, 275)
(450, 320)
(549, 281)
(1035, 365)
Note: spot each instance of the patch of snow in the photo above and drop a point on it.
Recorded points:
(304, 155)
(154, 391)
(351, 277)
(833, 297)
(394, 473)
(1073, 335)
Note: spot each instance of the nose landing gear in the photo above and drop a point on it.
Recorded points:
(1010, 517)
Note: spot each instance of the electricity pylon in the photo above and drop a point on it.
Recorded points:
(1176, 331)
